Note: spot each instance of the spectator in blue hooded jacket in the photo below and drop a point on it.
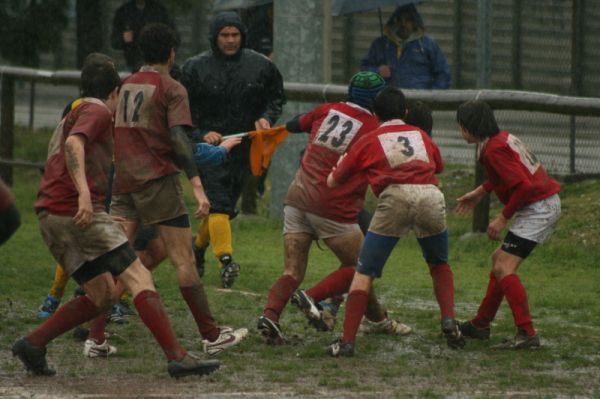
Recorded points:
(405, 56)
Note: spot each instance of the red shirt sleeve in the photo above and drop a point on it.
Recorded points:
(178, 107)
(518, 199)
(352, 162)
(91, 121)
(306, 121)
(487, 186)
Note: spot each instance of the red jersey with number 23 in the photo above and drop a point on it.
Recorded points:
(150, 103)
(334, 127)
(57, 193)
(394, 153)
(514, 173)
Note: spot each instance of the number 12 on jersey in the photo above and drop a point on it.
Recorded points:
(133, 109)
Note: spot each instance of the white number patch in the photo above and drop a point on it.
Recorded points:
(337, 131)
(134, 109)
(402, 147)
(527, 158)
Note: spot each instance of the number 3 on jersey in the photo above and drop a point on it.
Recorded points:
(133, 105)
(337, 131)
(402, 147)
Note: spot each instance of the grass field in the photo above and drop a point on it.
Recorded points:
(562, 278)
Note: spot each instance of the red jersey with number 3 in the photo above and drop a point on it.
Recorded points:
(150, 103)
(57, 193)
(334, 127)
(514, 173)
(395, 153)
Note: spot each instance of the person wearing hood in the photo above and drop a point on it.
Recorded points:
(405, 56)
(231, 89)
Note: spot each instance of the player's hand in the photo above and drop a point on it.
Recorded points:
(262, 124)
(229, 142)
(203, 203)
(385, 71)
(467, 202)
(128, 36)
(213, 138)
(496, 226)
(85, 211)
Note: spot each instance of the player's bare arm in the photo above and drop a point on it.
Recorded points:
(185, 160)
(467, 202)
(75, 160)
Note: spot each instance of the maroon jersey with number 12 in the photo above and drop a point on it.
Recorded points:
(150, 103)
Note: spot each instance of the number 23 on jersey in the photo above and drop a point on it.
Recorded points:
(337, 131)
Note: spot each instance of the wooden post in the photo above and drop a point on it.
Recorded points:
(7, 126)
(481, 214)
(457, 42)
(577, 37)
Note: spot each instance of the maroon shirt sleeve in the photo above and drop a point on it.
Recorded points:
(90, 122)
(178, 106)
(352, 162)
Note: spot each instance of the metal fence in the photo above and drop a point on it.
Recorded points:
(561, 130)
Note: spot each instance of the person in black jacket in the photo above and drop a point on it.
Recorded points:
(128, 22)
(231, 89)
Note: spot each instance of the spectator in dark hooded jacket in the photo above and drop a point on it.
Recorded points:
(405, 56)
(231, 89)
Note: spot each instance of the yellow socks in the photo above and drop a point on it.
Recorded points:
(60, 282)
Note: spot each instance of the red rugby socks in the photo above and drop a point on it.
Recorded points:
(356, 305)
(279, 295)
(443, 287)
(490, 304)
(68, 316)
(516, 296)
(153, 314)
(197, 301)
(336, 283)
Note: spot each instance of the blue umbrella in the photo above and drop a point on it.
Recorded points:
(224, 5)
(343, 7)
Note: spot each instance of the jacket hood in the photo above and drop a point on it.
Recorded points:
(409, 9)
(221, 20)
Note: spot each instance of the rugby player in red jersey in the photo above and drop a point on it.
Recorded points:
(530, 199)
(400, 162)
(151, 146)
(314, 211)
